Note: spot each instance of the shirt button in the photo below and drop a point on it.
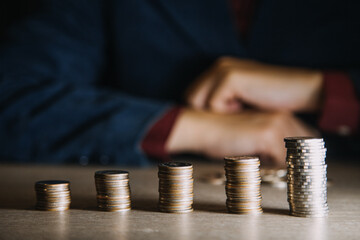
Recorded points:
(344, 130)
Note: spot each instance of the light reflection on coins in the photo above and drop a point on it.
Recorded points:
(53, 195)
(176, 185)
(113, 190)
(306, 176)
(243, 185)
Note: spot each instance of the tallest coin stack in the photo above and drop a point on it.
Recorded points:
(306, 178)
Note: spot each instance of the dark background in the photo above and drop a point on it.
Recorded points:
(13, 11)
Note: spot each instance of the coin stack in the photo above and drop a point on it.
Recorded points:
(243, 184)
(113, 190)
(306, 177)
(176, 187)
(53, 195)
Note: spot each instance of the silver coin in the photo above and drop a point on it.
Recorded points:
(306, 152)
(310, 211)
(306, 155)
(306, 178)
(321, 169)
(307, 186)
(304, 144)
(307, 167)
(303, 139)
(304, 165)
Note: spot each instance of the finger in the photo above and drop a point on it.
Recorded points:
(199, 92)
(234, 106)
(223, 99)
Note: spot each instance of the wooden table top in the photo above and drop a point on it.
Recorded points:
(19, 220)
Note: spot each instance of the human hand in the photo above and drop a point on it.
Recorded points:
(246, 133)
(231, 83)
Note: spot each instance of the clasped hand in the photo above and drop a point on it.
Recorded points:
(218, 124)
(231, 83)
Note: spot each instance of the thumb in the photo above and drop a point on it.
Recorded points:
(198, 93)
(224, 99)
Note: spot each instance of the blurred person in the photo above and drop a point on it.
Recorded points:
(104, 81)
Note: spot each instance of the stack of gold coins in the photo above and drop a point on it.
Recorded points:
(243, 184)
(113, 190)
(306, 178)
(53, 195)
(176, 187)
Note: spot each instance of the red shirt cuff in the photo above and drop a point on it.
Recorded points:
(341, 108)
(154, 142)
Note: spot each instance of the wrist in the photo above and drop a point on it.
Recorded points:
(154, 141)
(187, 135)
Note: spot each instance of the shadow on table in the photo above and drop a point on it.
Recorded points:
(18, 207)
(151, 205)
(17, 203)
(210, 207)
(148, 205)
(221, 208)
(80, 202)
(29, 204)
(143, 204)
(276, 211)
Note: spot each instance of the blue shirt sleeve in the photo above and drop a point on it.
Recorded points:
(51, 110)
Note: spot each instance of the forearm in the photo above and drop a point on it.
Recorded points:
(282, 88)
(188, 133)
(232, 83)
(245, 133)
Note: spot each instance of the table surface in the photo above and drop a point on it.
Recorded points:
(19, 220)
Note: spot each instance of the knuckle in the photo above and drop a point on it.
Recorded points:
(214, 103)
(223, 62)
(228, 75)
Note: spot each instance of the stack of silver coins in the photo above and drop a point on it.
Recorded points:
(176, 187)
(53, 195)
(306, 177)
(113, 190)
(243, 184)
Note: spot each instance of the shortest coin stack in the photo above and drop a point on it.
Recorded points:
(243, 184)
(306, 178)
(176, 187)
(113, 190)
(53, 195)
